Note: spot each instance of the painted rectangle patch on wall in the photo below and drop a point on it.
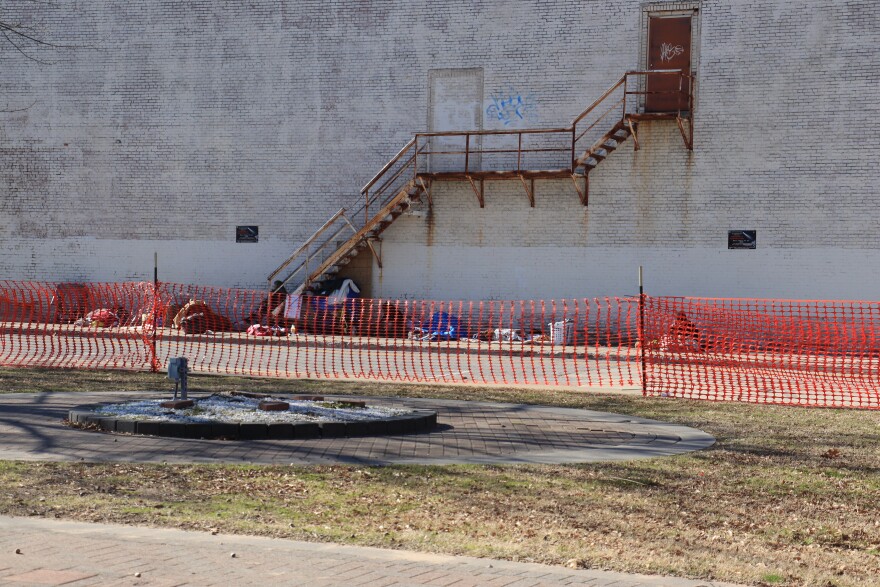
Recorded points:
(455, 104)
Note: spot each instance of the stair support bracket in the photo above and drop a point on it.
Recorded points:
(530, 193)
(632, 130)
(376, 254)
(687, 137)
(427, 191)
(583, 195)
(480, 193)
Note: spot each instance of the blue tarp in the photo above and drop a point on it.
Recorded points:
(442, 326)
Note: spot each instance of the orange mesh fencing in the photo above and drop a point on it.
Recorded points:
(572, 343)
(769, 351)
(568, 342)
(810, 353)
(91, 325)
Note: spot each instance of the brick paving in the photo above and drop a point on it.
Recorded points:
(76, 554)
(469, 432)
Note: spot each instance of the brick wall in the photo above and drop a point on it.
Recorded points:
(161, 126)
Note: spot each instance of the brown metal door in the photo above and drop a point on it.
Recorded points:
(669, 47)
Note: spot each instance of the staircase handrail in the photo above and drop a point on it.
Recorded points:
(304, 264)
(598, 101)
(360, 234)
(388, 165)
(356, 215)
(306, 244)
(377, 192)
(473, 133)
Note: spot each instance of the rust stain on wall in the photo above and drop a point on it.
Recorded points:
(429, 228)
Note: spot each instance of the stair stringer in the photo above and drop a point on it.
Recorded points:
(374, 225)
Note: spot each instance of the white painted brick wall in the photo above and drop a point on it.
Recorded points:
(164, 125)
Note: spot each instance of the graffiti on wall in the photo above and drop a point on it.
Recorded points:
(511, 107)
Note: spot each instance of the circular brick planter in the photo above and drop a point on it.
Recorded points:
(417, 421)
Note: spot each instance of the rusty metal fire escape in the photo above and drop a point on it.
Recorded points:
(523, 155)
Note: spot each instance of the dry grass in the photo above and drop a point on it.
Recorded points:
(788, 496)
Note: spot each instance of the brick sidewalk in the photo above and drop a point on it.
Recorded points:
(75, 554)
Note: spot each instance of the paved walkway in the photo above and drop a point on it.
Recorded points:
(31, 428)
(51, 552)
(77, 555)
(326, 356)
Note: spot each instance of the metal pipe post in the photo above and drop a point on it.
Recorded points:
(642, 341)
(154, 367)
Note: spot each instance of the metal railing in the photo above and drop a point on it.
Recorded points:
(550, 151)
(351, 222)
(541, 152)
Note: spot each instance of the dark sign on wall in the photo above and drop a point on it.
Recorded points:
(247, 234)
(742, 239)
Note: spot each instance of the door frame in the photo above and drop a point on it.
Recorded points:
(479, 94)
(689, 8)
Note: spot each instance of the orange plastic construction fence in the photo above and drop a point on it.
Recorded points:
(771, 351)
(811, 353)
(572, 343)
(88, 326)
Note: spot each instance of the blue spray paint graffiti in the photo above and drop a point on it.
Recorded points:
(511, 107)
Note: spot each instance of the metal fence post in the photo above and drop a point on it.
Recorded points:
(642, 339)
(154, 363)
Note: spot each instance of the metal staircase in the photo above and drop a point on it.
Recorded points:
(478, 156)
(345, 235)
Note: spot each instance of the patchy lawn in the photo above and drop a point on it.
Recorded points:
(788, 496)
